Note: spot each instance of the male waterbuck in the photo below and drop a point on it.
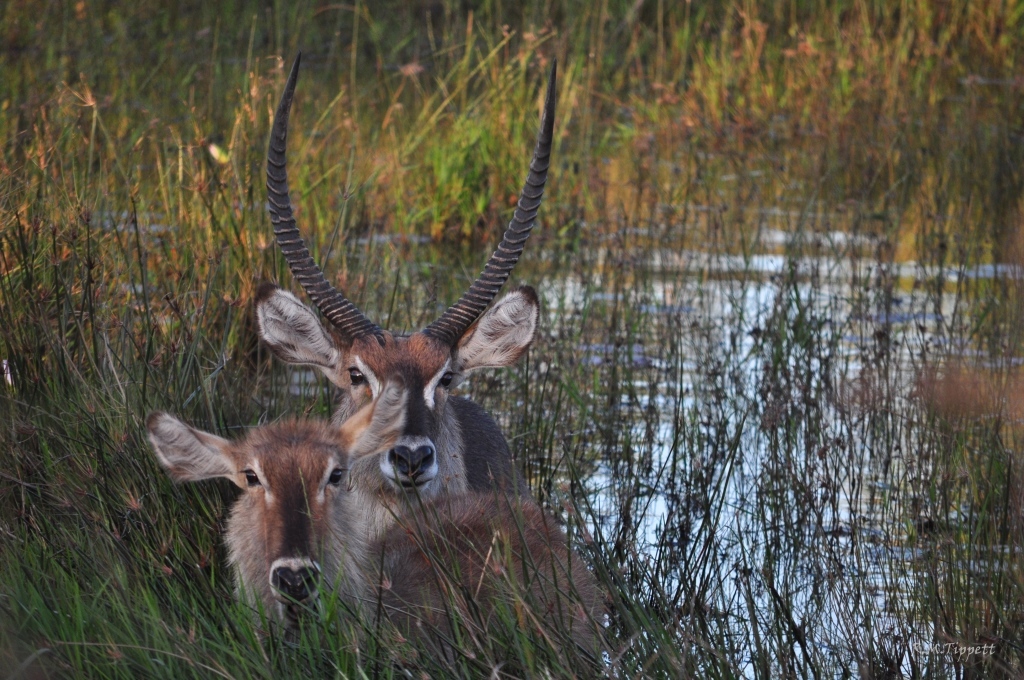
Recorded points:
(300, 528)
(432, 454)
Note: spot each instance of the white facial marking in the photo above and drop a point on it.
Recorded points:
(321, 494)
(386, 468)
(428, 391)
(371, 379)
(255, 466)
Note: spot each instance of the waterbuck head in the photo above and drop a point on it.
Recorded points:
(359, 357)
(296, 527)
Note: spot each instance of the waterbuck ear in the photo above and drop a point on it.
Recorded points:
(502, 334)
(187, 454)
(292, 331)
(376, 426)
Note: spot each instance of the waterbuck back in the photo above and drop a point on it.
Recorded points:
(472, 561)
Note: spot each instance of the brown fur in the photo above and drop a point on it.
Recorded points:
(451, 423)
(292, 460)
(294, 457)
(495, 549)
(468, 555)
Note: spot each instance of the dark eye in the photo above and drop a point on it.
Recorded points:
(356, 376)
(251, 479)
(446, 379)
(335, 478)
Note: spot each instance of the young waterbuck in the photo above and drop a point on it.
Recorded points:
(433, 452)
(300, 527)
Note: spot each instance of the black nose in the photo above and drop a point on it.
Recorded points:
(411, 463)
(298, 584)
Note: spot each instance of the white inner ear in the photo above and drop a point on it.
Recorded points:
(187, 454)
(501, 335)
(294, 333)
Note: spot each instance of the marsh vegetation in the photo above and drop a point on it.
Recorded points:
(775, 399)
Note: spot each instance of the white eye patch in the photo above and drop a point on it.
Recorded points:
(371, 379)
(428, 391)
(267, 496)
(321, 494)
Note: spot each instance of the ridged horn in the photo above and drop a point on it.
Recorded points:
(342, 314)
(457, 318)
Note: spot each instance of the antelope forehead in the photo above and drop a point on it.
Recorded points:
(408, 360)
(299, 466)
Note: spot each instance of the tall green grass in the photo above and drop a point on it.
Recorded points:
(774, 472)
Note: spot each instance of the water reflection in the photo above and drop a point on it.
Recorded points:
(757, 454)
(751, 431)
